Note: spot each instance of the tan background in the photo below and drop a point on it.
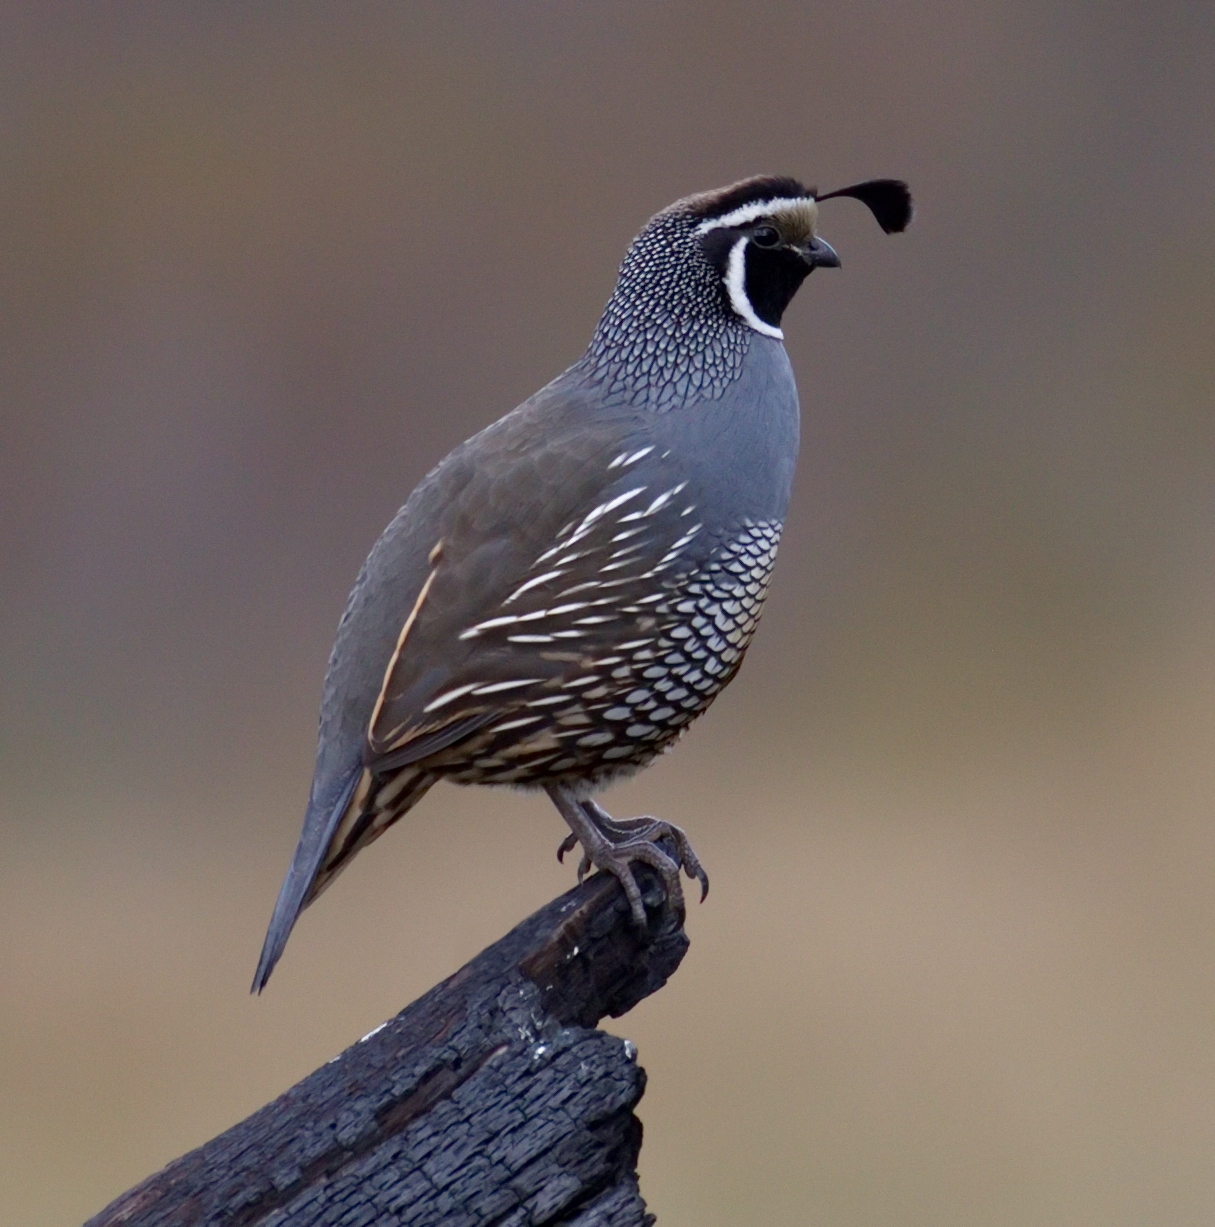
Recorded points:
(263, 264)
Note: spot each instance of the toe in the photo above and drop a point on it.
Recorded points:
(624, 875)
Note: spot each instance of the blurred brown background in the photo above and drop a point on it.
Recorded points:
(262, 265)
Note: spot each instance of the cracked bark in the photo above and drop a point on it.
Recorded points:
(491, 1100)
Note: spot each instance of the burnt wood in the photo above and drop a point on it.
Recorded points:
(490, 1100)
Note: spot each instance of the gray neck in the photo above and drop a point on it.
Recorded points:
(666, 336)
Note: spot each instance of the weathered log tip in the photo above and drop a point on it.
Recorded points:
(489, 1100)
(595, 962)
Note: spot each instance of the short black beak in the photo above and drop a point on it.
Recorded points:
(820, 254)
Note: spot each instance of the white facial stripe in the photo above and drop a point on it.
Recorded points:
(736, 287)
(759, 208)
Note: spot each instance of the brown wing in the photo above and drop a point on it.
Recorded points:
(536, 562)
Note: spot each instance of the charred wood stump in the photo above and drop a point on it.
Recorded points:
(490, 1100)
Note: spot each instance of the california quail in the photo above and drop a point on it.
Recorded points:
(572, 586)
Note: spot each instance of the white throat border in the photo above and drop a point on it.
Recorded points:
(736, 287)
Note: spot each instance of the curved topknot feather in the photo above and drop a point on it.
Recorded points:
(889, 201)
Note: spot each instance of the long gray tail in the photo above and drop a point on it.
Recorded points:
(366, 808)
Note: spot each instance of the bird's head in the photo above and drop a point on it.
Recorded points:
(761, 238)
(709, 271)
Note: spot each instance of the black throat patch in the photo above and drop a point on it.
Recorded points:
(772, 279)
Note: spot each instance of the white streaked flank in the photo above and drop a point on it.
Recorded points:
(596, 513)
(447, 698)
(495, 687)
(514, 724)
(532, 583)
(585, 525)
(570, 607)
(657, 505)
(626, 458)
(663, 499)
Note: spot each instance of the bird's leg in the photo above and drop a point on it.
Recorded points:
(651, 829)
(615, 855)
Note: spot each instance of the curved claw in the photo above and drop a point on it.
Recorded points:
(568, 844)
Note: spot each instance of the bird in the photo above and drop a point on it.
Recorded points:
(565, 592)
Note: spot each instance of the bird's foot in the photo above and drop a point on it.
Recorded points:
(652, 829)
(613, 844)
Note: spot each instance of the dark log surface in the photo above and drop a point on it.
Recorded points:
(490, 1100)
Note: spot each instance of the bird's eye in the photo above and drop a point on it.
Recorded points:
(765, 236)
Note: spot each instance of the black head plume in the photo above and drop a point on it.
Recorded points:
(889, 200)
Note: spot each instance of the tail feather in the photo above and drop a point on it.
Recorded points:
(330, 838)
